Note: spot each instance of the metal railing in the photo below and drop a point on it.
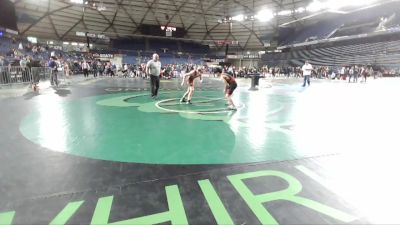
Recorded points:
(20, 75)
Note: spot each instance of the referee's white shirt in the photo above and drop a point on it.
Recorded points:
(154, 67)
(307, 68)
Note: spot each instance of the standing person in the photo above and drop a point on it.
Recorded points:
(113, 69)
(140, 71)
(29, 68)
(370, 72)
(66, 69)
(230, 86)
(2, 71)
(109, 69)
(125, 71)
(351, 73)
(307, 70)
(153, 68)
(273, 72)
(24, 70)
(53, 67)
(356, 73)
(376, 72)
(85, 68)
(101, 67)
(95, 68)
(363, 73)
(192, 75)
(35, 65)
(342, 73)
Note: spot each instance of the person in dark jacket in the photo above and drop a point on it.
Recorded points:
(53, 66)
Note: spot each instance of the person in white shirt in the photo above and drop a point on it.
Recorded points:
(125, 70)
(307, 70)
(85, 68)
(342, 73)
(351, 73)
(153, 68)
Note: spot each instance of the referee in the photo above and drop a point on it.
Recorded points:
(153, 68)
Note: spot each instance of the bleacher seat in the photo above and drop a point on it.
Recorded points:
(385, 53)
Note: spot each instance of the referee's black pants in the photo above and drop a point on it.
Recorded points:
(85, 72)
(155, 84)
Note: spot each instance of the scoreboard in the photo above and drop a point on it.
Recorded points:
(226, 42)
(168, 30)
(162, 31)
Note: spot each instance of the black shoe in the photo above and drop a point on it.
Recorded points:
(189, 102)
(233, 108)
(183, 100)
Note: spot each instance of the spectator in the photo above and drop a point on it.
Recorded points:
(101, 67)
(24, 70)
(29, 68)
(35, 64)
(66, 69)
(94, 68)
(125, 70)
(3, 73)
(85, 68)
(53, 66)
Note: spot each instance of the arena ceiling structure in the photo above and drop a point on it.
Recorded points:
(248, 24)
